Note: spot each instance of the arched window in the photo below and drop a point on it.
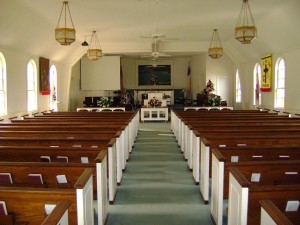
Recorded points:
(31, 86)
(279, 84)
(53, 88)
(238, 91)
(257, 85)
(3, 98)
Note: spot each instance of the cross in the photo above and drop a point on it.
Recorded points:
(265, 71)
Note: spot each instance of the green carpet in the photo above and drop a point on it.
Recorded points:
(157, 186)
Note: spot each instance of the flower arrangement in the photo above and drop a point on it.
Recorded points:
(154, 102)
(214, 100)
(209, 87)
(104, 102)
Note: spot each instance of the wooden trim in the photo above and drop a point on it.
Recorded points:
(83, 179)
(218, 154)
(111, 142)
(102, 154)
(196, 133)
(205, 141)
(57, 213)
(241, 179)
(278, 217)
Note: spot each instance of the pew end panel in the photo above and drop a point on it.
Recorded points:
(196, 155)
(112, 170)
(217, 189)
(204, 169)
(272, 215)
(238, 198)
(102, 192)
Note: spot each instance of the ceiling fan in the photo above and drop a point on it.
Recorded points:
(156, 35)
(154, 63)
(155, 51)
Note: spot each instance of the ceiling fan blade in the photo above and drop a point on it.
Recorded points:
(147, 37)
(164, 55)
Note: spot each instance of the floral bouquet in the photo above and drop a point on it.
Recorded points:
(209, 87)
(214, 100)
(154, 102)
(104, 102)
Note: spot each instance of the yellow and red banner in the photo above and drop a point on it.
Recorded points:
(266, 73)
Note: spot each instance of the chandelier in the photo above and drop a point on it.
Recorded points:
(94, 52)
(245, 29)
(215, 50)
(65, 35)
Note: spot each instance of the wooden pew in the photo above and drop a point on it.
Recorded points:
(272, 214)
(244, 195)
(262, 140)
(110, 146)
(96, 158)
(223, 158)
(193, 139)
(27, 200)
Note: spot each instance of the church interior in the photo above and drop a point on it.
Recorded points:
(168, 86)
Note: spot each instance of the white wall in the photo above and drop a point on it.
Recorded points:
(179, 68)
(16, 64)
(198, 74)
(292, 103)
(222, 73)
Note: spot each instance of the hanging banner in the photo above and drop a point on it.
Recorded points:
(44, 76)
(266, 73)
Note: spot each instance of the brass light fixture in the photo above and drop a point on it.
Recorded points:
(65, 35)
(215, 50)
(245, 29)
(94, 52)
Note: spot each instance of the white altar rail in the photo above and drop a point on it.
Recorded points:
(99, 109)
(207, 108)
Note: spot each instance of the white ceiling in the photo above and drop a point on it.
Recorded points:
(28, 26)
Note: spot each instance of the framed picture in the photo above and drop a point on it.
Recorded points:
(154, 75)
(44, 76)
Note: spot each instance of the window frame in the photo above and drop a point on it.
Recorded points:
(53, 88)
(257, 85)
(280, 78)
(31, 86)
(238, 88)
(3, 86)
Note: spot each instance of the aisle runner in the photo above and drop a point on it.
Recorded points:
(157, 187)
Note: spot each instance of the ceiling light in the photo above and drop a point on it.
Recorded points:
(65, 35)
(94, 52)
(245, 29)
(85, 43)
(215, 50)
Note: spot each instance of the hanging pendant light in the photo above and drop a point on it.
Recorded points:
(215, 50)
(245, 29)
(65, 35)
(85, 43)
(94, 52)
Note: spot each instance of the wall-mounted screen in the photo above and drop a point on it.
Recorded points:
(149, 75)
(103, 74)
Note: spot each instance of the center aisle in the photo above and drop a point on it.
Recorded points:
(157, 187)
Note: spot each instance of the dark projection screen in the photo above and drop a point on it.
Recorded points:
(149, 75)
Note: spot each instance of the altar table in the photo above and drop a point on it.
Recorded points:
(154, 114)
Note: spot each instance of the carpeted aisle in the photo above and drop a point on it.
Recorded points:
(157, 187)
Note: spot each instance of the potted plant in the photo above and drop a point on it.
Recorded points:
(104, 102)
